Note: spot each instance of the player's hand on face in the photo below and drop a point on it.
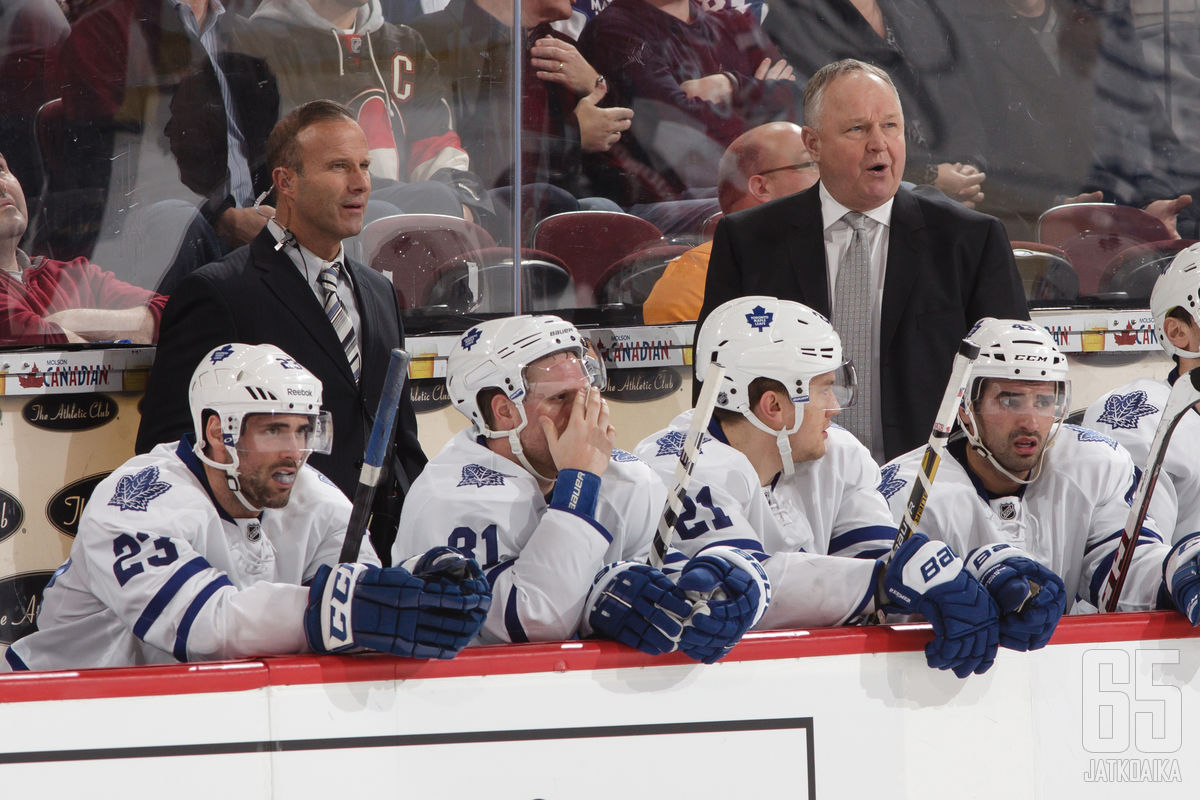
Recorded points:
(779, 70)
(556, 61)
(600, 128)
(588, 439)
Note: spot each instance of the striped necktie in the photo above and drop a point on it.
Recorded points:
(852, 305)
(328, 280)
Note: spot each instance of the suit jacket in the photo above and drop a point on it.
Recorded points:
(255, 295)
(947, 266)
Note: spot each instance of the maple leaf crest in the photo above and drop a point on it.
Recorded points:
(1089, 435)
(134, 492)
(1126, 337)
(759, 318)
(1126, 410)
(890, 484)
(671, 443)
(479, 475)
(620, 455)
(34, 380)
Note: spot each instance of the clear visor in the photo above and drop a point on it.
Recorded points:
(834, 390)
(562, 373)
(277, 433)
(1018, 398)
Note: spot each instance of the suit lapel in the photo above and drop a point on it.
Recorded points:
(904, 262)
(283, 280)
(807, 257)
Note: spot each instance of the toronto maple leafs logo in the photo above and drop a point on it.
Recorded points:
(671, 443)
(1089, 435)
(134, 492)
(471, 339)
(759, 318)
(890, 484)
(478, 475)
(221, 353)
(1126, 410)
(622, 456)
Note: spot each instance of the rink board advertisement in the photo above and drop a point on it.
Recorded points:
(1110, 709)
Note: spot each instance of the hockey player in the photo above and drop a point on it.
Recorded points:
(535, 490)
(1025, 494)
(1131, 414)
(227, 547)
(775, 479)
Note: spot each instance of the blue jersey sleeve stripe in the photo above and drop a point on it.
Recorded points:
(495, 571)
(168, 591)
(1099, 576)
(15, 661)
(1146, 535)
(512, 621)
(189, 616)
(871, 533)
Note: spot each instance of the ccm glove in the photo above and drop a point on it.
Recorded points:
(729, 591)
(640, 607)
(926, 577)
(1181, 576)
(1031, 597)
(394, 611)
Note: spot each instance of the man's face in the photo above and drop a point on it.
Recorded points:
(858, 141)
(535, 12)
(808, 443)
(795, 171)
(271, 450)
(14, 215)
(329, 192)
(1015, 419)
(553, 382)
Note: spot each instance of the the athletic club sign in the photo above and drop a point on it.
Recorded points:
(66, 506)
(70, 412)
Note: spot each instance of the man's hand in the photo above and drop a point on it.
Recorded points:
(961, 182)
(556, 61)
(237, 226)
(780, 70)
(716, 89)
(600, 128)
(1168, 211)
(587, 442)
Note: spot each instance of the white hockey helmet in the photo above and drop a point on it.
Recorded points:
(1177, 287)
(237, 380)
(497, 354)
(1015, 350)
(765, 337)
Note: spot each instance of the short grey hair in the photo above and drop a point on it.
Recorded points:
(814, 90)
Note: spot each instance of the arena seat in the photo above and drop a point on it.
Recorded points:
(710, 226)
(482, 283)
(1092, 234)
(1046, 273)
(589, 242)
(630, 278)
(1135, 269)
(411, 247)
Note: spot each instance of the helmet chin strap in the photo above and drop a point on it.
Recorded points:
(514, 443)
(231, 475)
(782, 440)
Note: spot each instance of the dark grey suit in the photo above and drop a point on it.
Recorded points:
(947, 266)
(255, 295)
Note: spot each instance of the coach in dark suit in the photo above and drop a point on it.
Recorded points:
(268, 292)
(935, 267)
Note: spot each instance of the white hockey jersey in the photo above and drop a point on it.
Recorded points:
(540, 561)
(829, 506)
(1070, 519)
(1131, 415)
(159, 573)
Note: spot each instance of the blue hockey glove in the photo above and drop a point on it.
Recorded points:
(1031, 597)
(729, 592)
(639, 607)
(926, 577)
(1181, 575)
(393, 611)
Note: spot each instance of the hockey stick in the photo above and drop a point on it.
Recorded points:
(705, 404)
(947, 413)
(1185, 395)
(377, 449)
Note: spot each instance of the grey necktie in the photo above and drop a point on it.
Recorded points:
(852, 305)
(338, 317)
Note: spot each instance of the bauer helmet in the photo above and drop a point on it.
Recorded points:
(1178, 287)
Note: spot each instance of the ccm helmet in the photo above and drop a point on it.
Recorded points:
(1178, 287)
(764, 337)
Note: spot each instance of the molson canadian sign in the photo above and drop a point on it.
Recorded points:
(51, 374)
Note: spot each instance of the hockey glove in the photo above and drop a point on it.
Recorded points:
(639, 607)
(393, 611)
(926, 577)
(1031, 597)
(1181, 575)
(729, 592)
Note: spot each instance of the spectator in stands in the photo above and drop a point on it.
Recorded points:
(121, 68)
(912, 41)
(762, 164)
(43, 301)
(1066, 113)
(561, 120)
(346, 52)
(695, 80)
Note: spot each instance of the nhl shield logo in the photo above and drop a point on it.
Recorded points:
(1008, 510)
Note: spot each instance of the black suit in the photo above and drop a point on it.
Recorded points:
(947, 266)
(255, 295)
